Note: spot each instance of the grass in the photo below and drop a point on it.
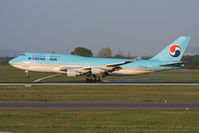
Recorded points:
(100, 121)
(10, 74)
(102, 93)
(85, 121)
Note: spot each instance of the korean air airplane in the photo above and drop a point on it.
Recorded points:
(97, 68)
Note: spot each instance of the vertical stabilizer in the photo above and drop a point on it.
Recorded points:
(174, 51)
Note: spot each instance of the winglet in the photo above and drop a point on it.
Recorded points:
(138, 58)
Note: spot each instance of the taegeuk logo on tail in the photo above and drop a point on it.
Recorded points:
(175, 50)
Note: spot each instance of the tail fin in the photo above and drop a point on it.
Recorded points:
(174, 51)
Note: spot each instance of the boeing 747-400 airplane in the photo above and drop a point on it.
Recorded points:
(96, 68)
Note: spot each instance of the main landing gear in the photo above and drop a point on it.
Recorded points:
(93, 79)
(27, 76)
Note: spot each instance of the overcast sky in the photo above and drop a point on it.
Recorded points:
(141, 27)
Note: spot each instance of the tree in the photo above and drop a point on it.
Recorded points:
(119, 55)
(105, 53)
(81, 51)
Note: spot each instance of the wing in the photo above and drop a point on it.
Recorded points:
(96, 70)
(118, 64)
(107, 67)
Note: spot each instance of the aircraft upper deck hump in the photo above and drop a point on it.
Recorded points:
(174, 51)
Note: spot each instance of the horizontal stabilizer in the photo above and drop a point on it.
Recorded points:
(176, 64)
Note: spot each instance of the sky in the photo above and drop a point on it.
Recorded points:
(135, 27)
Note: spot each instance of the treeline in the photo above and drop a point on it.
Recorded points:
(4, 60)
(191, 62)
(103, 53)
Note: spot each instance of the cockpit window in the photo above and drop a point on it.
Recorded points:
(22, 54)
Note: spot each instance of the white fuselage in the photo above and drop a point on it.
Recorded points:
(55, 68)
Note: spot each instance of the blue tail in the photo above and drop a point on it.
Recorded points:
(174, 51)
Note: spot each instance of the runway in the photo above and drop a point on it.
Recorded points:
(98, 105)
(91, 84)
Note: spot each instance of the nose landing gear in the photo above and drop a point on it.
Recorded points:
(27, 76)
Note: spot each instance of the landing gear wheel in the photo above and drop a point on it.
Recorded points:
(94, 79)
(97, 79)
(89, 80)
(27, 77)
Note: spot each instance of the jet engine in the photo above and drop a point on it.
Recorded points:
(97, 71)
(72, 73)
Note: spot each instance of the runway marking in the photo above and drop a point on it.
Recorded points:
(97, 84)
(99, 105)
(40, 79)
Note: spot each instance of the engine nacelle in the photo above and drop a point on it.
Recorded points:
(71, 73)
(97, 71)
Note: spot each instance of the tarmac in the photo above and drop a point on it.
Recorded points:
(106, 83)
(100, 105)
